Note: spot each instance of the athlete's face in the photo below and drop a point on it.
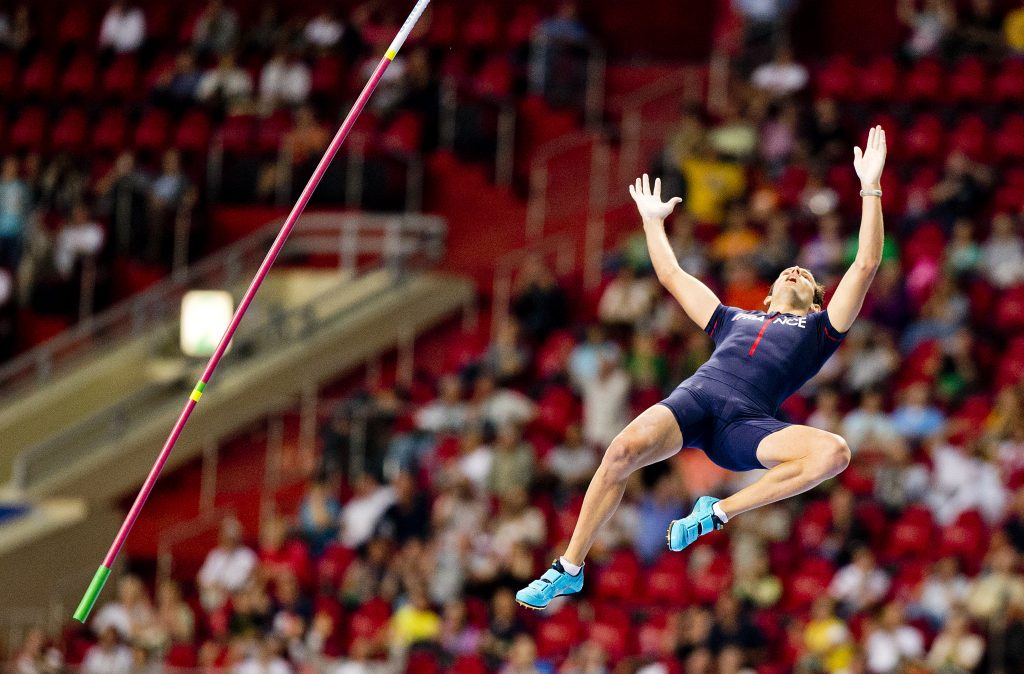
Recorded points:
(795, 286)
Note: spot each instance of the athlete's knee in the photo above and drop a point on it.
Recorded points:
(833, 457)
(626, 454)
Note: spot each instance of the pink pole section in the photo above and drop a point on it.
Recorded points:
(85, 607)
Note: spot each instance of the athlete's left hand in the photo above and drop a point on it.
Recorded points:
(649, 202)
(871, 161)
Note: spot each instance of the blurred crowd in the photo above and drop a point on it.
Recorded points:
(433, 503)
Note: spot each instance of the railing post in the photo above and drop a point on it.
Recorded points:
(449, 109)
(284, 175)
(594, 97)
(536, 206)
(414, 183)
(208, 478)
(406, 355)
(593, 246)
(505, 152)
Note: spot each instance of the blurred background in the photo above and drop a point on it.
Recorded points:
(401, 433)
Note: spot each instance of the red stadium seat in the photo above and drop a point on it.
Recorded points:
(1008, 84)
(966, 538)
(837, 79)
(911, 535)
(39, 77)
(1008, 141)
(618, 579)
(28, 132)
(110, 131)
(152, 130)
(238, 133)
(120, 79)
(968, 82)
(194, 131)
(8, 75)
(520, 28)
(481, 30)
(69, 131)
(612, 631)
(879, 81)
(494, 79)
(1009, 317)
(469, 664)
(327, 77)
(558, 634)
(403, 135)
(422, 662)
(271, 132)
(77, 24)
(970, 136)
(79, 80)
(925, 82)
(924, 139)
(443, 26)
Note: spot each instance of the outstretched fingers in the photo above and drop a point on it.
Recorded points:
(657, 188)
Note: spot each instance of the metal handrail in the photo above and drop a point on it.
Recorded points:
(129, 318)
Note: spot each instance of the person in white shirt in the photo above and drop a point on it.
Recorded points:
(80, 237)
(869, 423)
(626, 300)
(956, 649)
(284, 80)
(130, 614)
(123, 28)
(359, 517)
(1002, 255)
(860, 583)
(943, 589)
(962, 480)
(891, 641)
(446, 413)
(226, 82)
(227, 567)
(500, 406)
(324, 30)
(573, 462)
(108, 655)
(606, 403)
(782, 76)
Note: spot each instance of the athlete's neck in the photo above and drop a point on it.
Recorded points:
(783, 308)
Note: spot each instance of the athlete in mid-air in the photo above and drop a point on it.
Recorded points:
(728, 407)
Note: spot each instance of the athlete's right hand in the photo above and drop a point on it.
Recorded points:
(649, 202)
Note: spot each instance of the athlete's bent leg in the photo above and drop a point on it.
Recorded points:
(651, 437)
(798, 459)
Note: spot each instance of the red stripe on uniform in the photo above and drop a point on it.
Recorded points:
(829, 335)
(713, 328)
(753, 347)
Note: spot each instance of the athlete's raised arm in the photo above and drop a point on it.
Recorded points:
(696, 298)
(849, 295)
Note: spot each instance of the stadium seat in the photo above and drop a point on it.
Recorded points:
(924, 83)
(8, 75)
(110, 131)
(923, 140)
(617, 580)
(968, 83)
(557, 634)
(120, 79)
(481, 29)
(520, 27)
(494, 81)
(28, 132)
(327, 77)
(77, 25)
(79, 79)
(444, 29)
(151, 131)
(1008, 84)
(193, 133)
(1008, 140)
(970, 136)
(238, 133)
(910, 536)
(271, 131)
(39, 78)
(68, 133)
(611, 629)
(879, 81)
(469, 664)
(837, 79)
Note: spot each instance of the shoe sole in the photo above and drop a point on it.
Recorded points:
(531, 606)
(668, 538)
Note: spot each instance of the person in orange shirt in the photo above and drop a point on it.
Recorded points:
(737, 239)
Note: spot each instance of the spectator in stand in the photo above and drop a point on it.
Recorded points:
(859, 584)
(130, 614)
(826, 414)
(408, 518)
(743, 287)
(1002, 258)
(415, 622)
(216, 29)
(605, 402)
(227, 568)
(753, 582)
(735, 136)
(585, 359)
(178, 86)
(964, 479)
(79, 239)
(123, 29)
(499, 406)
(284, 81)
(646, 363)
(108, 655)
(15, 208)
(307, 138)
(929, 21)
(518, 524)
(777, 249)
(827, 639)
(979, 30)
(782, 76)
(962, 191)
(318, 516)
(868, 424)
(175, 621)
(899, 480)
(943, 590)
(123, 196)
(956, 649)
(6, 34)
(522, 657)
(826, 136)
(556, 68)
(268, 30)
(1013, 30)
(572, 462)
(915, 418)
(626, 300)
(890, 641)
(999, 588)
(36, 657)
(711, 184)
(507, 357)
(540, 304)
(324, 31)
(764, 23)
(265, 658)
(824, 254)
(447, 413)
(737, 239)
(362, 513)
(779, 139)
(512, 462)
(660, 499)
(226, 84)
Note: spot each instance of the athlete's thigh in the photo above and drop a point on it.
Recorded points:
(655, 434)
(791, 443)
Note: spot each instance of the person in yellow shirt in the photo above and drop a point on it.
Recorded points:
(1013, 29)
(827, 639)
(710, 185)
(415, 622)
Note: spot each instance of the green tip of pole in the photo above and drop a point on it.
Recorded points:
(92, 594)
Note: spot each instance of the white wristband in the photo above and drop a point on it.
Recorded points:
(871, 193)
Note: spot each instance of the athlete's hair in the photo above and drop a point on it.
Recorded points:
(819, 292)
